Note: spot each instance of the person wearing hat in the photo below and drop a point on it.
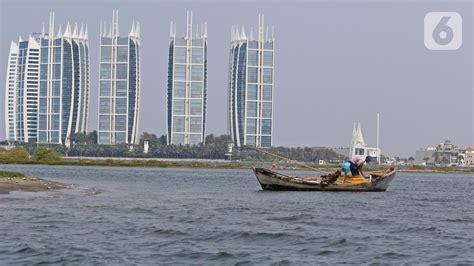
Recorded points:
(357, 162)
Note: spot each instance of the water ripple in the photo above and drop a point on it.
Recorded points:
(183, 216)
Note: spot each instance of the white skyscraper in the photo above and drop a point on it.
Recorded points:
(187, 84)
(119, 86)
(251, 86)
(21, 97)
(64, 83)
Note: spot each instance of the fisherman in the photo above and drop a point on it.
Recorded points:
(331, 178)
(357, 163)
(345, 168)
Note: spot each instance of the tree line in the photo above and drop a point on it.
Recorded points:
(215, 147)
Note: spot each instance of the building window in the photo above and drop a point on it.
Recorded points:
(253, 74)
(196, 90)
(179, 89)
(196, 107)
(359, 151)
(180, 55)
(251, 109)
(252, 92)
(267, 109)
(178, 125)
(197, 55)
(195, 124)
(178, 106)
(105, 54)
(196, 73)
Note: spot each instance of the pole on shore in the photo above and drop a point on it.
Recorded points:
(378, 138)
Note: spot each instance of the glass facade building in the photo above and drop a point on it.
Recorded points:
(187, 85)
(119, 85)
(47, 90)
(250, 102)
(63, 104)
(21, 98)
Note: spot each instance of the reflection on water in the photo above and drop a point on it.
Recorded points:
(149, 215)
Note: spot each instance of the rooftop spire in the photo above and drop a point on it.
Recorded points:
(109, 33)
(133, 30)
(261, 27)
(59, 32)
(75, 33)
(357, 137)
(81, 32)
(242, 33)
(189, 24)
(114, 26)
(237, 33)
(232, 35)
(138, 29)
(67, 32)
(172, 34)
(51, 25)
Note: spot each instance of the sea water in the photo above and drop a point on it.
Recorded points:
(197, 216)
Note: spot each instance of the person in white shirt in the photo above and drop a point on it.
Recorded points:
(357, 162)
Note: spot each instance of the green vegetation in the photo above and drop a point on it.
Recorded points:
(15, 155)
(45, 154)
(10, 174)
(215, 147)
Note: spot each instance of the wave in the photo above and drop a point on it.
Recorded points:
(415, 229)
(168, 232)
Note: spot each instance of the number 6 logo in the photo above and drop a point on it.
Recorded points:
(443, 31)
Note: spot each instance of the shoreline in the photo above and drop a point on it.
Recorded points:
(28, 184)
(196, 164)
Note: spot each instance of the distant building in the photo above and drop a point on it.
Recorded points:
(446, 153)
(251, 65)
(358, 145)
(187, 85)
(425, 156)
(119, 85)
(146, 146)
(21, 97)
(469, 156)
(63, 105)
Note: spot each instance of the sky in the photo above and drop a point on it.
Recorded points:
(336, 63)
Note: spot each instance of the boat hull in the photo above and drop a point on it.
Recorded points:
(270, 180)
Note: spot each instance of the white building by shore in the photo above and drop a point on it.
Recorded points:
(358, 145)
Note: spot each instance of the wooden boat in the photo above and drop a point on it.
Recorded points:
(270, 180)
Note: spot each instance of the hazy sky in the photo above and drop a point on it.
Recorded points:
(336, 63)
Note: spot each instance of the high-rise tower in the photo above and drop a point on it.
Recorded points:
(119, 85)
(21, 97)
(251, 86)
(187, 84)
(64, 83)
